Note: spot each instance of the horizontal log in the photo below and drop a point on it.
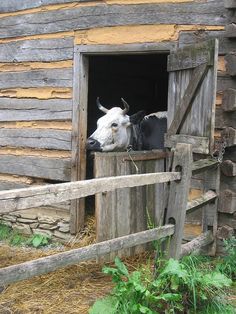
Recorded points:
(230, 30)
(224, 119)
(84, 17)
(56, 193)
(228, 167)
(191, 38)
(19, 5)
(37, 78)
(227, 202)
(229, 134)
(13, 109)
(36, 138)
(229, 100)
(44, 265)
(231, 64)
(36, 166)
(136, 155)
(224, 82)
(199, 144)
(40, 50)
(230, 4)
(196, 244)
(201, 201)
(204, 164)
(9, 185)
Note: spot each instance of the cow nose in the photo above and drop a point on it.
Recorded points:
(93, 144)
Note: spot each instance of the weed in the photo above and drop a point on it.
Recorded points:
(178, 287)
(227, 264)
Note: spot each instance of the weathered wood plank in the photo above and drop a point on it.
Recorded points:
(19, 5)
(178, 197)
(196, 244)
(40, 50)
(204, 199)
(13, 109)
(230, 4)
(228, 168)
(225, 119)
(37, 78)
(190, 38)
(227, 202)
(36, 138)
(230, 30)
(39, 167)
(192, 57)
(231, 64)
(9, 185)
(224, 82)
(184, 106)
(204, 164)
(56, 193)
(200, 144)
(229, 134)
(229, 100)
(200, 116)
(207, 13)
(51, 263)
(79, 126)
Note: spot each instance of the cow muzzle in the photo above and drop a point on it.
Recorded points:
(93, 145)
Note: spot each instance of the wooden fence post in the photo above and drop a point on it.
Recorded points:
(178, 197)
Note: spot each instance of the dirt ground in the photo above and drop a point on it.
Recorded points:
(70, 290)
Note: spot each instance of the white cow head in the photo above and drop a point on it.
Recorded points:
(113, 129)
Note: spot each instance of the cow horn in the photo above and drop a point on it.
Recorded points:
(125, 105)
(100, 107)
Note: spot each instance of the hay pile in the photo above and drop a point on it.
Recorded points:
(70, 290)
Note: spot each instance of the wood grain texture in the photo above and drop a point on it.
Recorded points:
(207, 13)
(57, 193)
(19, 5)
(230, 4)
(207, 197)
(227, 202)
(126, 211)
(36, 138)
(178, 197)
(39, 167)
(225, 119)
(40, 50)
(229, 134)
(229, 100)
(200, 144)
(230, 30)
(13, 109)
(228, 168)
(200, 119)
(51, 263)
(231, 64)
(37, 78)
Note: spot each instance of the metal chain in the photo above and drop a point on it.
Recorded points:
(220, 150)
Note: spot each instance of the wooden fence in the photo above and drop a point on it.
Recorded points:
(179, 180)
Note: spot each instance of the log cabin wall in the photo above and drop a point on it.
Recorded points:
(37, 40)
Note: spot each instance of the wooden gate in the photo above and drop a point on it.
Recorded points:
(191, 96)
(129, 210)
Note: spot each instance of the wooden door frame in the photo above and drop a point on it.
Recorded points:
(80, 106)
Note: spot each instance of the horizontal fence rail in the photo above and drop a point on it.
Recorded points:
(25, 198)
(51, 263)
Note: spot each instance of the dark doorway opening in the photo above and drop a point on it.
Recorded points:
(141, 79)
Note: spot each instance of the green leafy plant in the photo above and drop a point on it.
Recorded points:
(178, 287)
(227, 264)
(14, 238)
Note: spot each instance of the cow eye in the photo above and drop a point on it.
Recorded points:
(114, 125)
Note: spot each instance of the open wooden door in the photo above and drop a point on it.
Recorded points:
(191, 96)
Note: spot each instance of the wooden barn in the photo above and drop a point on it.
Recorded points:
(57, 56)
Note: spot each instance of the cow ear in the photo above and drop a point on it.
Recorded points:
(137, 117)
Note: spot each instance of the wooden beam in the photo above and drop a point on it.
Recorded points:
(230, 4)
(203, 165)
(229, 100)
(45, 195)
(229, 134)
(227, 202)
(230, 30)
(231, 64)
(51, 263)
(185, 104)
(13, 109)
(178, 197)
(228, 167)
(200, 144)
(84, 17)
(196, 244)
(201, 201)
